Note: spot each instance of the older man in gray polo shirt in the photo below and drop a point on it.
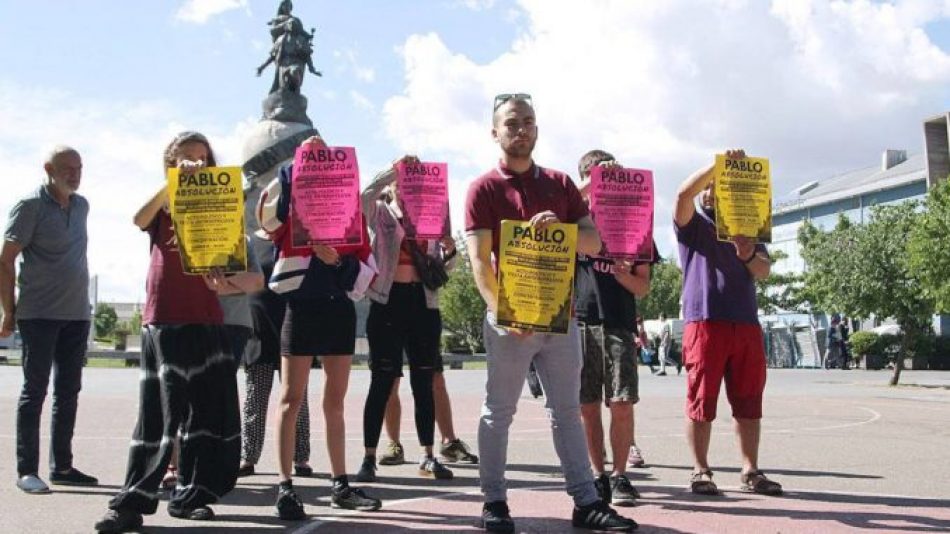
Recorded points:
(48, 228)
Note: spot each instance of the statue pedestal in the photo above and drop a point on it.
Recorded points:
(270, 144)
(286, 106)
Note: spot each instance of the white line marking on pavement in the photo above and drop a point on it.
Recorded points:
(874, 416)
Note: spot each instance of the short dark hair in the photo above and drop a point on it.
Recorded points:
(516, 98)
(592, 158)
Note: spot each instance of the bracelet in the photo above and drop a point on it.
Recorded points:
(748, 261)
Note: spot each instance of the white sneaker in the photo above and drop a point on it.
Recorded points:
(635, 457)
(32, 484)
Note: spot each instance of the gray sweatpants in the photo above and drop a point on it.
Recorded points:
(558, 360)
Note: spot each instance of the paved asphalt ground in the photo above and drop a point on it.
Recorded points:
(853, 454)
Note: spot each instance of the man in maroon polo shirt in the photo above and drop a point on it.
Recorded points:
(722, 339)
(520, 190)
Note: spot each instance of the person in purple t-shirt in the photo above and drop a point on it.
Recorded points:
(722, 339)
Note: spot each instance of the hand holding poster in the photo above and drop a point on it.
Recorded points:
(621, 203)
(207, 210)
(423, 189)
(324, 197)
(743, 193)
(536, 276)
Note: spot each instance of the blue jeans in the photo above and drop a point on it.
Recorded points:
(49, 345)
(558, 360)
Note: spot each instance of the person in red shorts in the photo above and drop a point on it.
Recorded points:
(722, 339)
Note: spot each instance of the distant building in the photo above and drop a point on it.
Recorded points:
(125, 310)
(898, 178)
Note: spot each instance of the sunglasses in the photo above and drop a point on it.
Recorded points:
(504, 97)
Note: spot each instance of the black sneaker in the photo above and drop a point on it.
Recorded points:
(456, 451)
(367, 472)
(429, 467)
(600, 516)
(497, 518)
(201, 513)
(303, 470)
(120, 520)
(602, 484)
(353, 499)
(289, 507)
(73, 477)
(245, 470)
(622, 492)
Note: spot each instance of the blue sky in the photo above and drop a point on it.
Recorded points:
(819, 87)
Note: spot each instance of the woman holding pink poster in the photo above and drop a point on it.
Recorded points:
(404, 316)
(319, 283)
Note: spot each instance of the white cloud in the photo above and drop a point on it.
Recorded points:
(478, 5)
(121, 143)
(817, 86)
(348, 60)
(360, 101)
(201, 11)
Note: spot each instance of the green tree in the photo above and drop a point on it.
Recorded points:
(864, 270)
(929, 249)
(463, 309)
(779, 291)
(105, 320)
(666, 285)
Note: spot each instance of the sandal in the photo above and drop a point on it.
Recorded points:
(701, 483)
(757, 482)
(171, 479)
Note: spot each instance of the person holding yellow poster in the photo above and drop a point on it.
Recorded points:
(207, 209)
(540, 199)
(188, 375)
(743, 191)
(722, 339)
(536, 276)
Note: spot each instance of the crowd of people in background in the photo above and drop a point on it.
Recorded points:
(293, 306)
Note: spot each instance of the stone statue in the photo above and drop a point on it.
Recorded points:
(284, 123)
(292, 50)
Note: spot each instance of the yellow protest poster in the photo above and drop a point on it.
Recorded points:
(207, 210)
(536, 276)
(743, 197)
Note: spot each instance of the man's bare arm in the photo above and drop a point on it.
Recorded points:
(636, 282)
(588, 238)
(478, 244)
(8, 256)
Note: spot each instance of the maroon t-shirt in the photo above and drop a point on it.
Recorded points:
(501, 194)
(171, 296)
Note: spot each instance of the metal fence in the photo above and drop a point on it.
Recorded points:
(790, 345)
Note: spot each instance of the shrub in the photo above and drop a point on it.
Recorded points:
(863, 342)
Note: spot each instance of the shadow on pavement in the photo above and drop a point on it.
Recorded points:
(892, 522)
(788, 472)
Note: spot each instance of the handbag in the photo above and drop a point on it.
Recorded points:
(431, 270)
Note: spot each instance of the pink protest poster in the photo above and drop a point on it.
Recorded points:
(423, 189)
(324, 199)
(621, 204)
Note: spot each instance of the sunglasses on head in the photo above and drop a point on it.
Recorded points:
(504, 97)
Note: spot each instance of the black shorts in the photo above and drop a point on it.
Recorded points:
(404, 324)
(319, 328)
